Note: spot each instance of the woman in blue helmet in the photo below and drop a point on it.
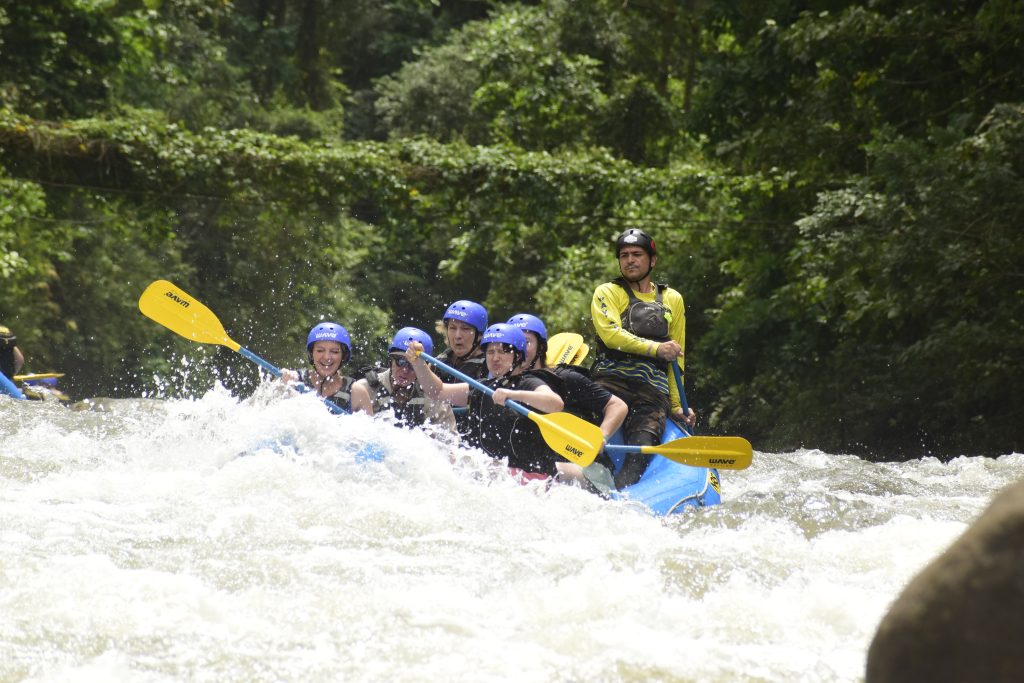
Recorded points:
(328, 346)
(464, 323)
(499, 431)
(397, 389)
(582, 397)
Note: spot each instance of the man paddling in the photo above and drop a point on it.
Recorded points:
(641, 329)
(397, 390)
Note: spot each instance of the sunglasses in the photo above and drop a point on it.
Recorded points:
(401, 362)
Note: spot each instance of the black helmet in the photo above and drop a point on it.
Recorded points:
(634, 237)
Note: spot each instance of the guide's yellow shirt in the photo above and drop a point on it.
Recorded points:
(607, 307)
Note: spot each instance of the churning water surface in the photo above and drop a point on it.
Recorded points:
(218, 540)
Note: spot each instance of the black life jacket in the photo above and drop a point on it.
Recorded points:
(645, 319)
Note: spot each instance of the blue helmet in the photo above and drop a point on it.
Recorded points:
(503, 333)
(529, 323)
(469, 312)
(410, 334)
(329, 332)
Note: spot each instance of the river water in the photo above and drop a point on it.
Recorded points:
(218, 540)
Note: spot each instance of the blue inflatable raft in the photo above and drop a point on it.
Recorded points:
(668, 487)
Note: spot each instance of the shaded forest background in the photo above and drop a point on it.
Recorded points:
(837, 189)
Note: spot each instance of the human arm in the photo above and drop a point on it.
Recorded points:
(433, 387)
(19, 360)
(606, 308)
(542, 398)
(614, 414)
(361, 400)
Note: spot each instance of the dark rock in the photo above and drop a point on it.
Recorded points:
(962, 617)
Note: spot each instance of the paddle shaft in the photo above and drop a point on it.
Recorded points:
(479, 386)
(572, 437)
(8, 387)
(682, 395)
(38, 375)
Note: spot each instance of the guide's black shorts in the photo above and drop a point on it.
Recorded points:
(648, 408)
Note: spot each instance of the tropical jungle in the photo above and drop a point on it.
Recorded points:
(836, 188)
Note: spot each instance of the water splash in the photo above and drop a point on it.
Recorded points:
(213, 539)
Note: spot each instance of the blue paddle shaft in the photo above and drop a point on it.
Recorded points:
(679, 385)
(273, 370)
(682, 395)
(9, 387)
(276, 372)
(473, 383)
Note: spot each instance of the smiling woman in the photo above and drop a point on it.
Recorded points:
(328, 346)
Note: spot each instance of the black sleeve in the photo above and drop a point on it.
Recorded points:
(530, 382)
(580, 393)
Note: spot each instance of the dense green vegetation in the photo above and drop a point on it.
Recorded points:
(837, 188)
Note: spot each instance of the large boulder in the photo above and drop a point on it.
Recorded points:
(962, 617)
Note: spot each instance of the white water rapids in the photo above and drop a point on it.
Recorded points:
(137, 545)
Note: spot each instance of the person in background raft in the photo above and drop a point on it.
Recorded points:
(641, 328)
(329, 347)
(464, 323)
(11, 359)
(397, 389)
(495, 429)
(582, 397)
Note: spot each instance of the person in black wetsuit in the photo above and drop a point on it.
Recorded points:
(464, 323)
(582, 397)
(494, 428)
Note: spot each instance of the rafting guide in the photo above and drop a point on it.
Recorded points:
(641, 329)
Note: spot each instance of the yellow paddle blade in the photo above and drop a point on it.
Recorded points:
(38, 375)
(721, 452)
(572, 437)
(173, 308)
(563, 348)
(580, 355)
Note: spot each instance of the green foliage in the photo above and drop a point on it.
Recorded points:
(538, 77)
(56, 57)
(904, 306)
(836, 191)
